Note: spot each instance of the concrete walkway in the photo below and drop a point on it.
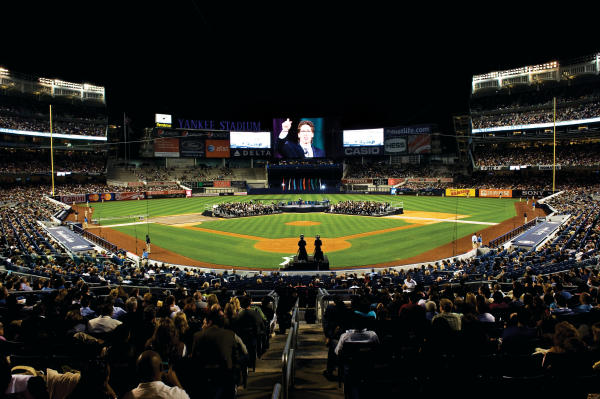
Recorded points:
(311, 360)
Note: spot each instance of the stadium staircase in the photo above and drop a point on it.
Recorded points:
(311, 360)
(120, 174)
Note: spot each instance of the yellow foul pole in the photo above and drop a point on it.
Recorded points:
(554, 148)
(51, 151)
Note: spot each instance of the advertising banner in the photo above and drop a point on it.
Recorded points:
(238, 183)
(188, 193)
(357, 181)
(419, 144)
(101, 197)
(135, 184)
(166, 192)
(406, 130)
(532, 193)
(380, 182)
(548, 167)
(166, 147)
(460, 192)
(362, 151)
(493, 167)
(191, 147)
(430, 180)
(69, 239)
(493, 193)
(393, 182)
(254, 152)
(128, 196)
(69, 199)
(217, 149)
(395, 146)
(221, 183)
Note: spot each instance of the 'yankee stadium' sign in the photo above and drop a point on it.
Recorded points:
(239, 126)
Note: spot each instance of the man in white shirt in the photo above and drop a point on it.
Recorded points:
(104, 323)
(409, 283)
(151, 385)
(474, 240)
(360, 334)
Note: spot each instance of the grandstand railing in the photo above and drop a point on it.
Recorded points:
(288, 357)
(320, 305)
(95, 239)
(496, 242)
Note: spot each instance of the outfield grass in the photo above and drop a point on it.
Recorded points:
(234, 251)
(480, 209)
(275, 226)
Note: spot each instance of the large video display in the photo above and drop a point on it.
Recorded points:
(363, 137)
(250, 139)
(299, 139)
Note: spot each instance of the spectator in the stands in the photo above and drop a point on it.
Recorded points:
(151, 374)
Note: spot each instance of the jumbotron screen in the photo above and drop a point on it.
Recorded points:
(299, 138)
(363, 137)
(250, 139)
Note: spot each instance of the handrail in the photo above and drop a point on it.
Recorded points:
(277, 391)
(288, 357)
(320, 305)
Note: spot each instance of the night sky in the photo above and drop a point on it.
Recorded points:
(368, 65)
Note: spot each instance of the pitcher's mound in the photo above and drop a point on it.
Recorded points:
(303, 223)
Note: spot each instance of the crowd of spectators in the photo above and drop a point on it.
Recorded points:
(194, 334)
(366, 208)
(67, 123)
(511, 118)
(197, 173)
(566, 155)
(39, 162)
(240, 209)
(383, 170)
(544, 301)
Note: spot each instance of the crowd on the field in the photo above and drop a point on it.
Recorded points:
(240, 209)
(366, 208)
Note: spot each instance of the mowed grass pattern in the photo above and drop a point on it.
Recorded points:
(232, 251)
(276, 226)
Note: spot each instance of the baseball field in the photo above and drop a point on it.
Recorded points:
(430, 228)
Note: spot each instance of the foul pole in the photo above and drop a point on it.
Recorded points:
(51, 151)
(554, 147)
